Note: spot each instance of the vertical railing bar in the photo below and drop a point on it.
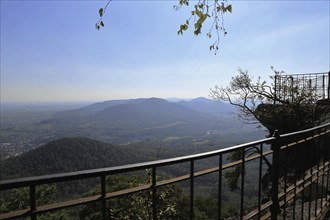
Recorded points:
(285, 182)
(329, 85)
(275, 174)
(260, 179)
(292, 89)
(154, 193)
(33, 202)
(325, 175)
(275, 86)
(328, 160)
(323, 170)
(317, 179)
(295, 184)
(282, 84)
(323, 85)
(192, 189)
(302, 193)
(103, 194)
(242, 184)
(220, 186)
(322, 192)
(311, 180)
(316, 84)
(303, 83)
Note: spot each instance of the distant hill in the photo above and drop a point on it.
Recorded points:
(132, 120)
(148, 113)
(94, 108)
(200, 104)
(209, 106)
(65, 155)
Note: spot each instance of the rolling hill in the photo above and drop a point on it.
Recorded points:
(65, 155)
(208, 106)
(124, 121)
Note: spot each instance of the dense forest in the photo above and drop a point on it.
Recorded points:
(72, 154)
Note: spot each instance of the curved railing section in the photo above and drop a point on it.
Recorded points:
(277, 157)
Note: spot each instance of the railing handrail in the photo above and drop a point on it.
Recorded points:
(305, 131)
(84, 174)
(302, 74)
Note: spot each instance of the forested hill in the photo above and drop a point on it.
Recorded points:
(133, 120)
(65, 155)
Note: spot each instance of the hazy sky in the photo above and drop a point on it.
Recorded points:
(51, 51)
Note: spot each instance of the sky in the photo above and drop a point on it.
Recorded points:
(51, 51)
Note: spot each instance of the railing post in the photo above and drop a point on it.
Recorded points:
(192, 189)
(323, 86)
(329, 85)
(275, 87)
(103, 194)
(259, 180)
(33, 202)
(275, 208)
(220, 187)
(154, 194)
(242, 184)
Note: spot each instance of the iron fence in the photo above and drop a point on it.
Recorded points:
(314, 85)
(297, 165)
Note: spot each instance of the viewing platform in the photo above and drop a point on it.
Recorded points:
(297, 163)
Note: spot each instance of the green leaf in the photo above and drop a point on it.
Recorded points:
(101, 12)
(102, 24)
(199, 13)
(198, 25)
(229, 8)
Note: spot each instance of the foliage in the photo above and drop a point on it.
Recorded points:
(66, 155)
(172, 202)
(232, 176)
(18, 198)
(138, 205)
(287, 110)
(203, 10)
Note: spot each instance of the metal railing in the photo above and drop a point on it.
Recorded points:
(297, 163)
(314, 85)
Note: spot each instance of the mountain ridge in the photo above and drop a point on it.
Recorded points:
(99, 106)
(124, 121)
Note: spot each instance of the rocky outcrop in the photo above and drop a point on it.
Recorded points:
(285, 117)
(322, 112)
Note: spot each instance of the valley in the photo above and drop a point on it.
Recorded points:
(41, 142)
(124, 123)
